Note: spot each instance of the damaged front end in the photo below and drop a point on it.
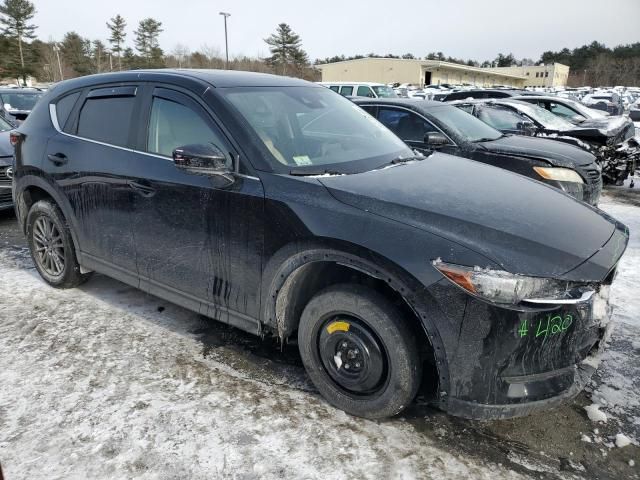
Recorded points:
(524, 344)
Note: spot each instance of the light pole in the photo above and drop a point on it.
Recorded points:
(56, 48)
(226, 42)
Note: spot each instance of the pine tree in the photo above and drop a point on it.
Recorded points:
(286, 49)
(99, 51)
(15, 17)
(76, 52)
(117, 26)
(147, 44)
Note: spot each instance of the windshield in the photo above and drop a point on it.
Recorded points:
(462, 125)
(384, 92)
(19, 100)
(544, 117)
(4, 125)
(312, 126)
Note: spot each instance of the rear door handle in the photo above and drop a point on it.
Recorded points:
(142, 189)
(58, 159)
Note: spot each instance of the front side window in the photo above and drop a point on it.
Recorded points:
(310, 126)
(107, 119)
(563, 111)
(407, 125)
(383, 91)
(500, 117)
(364, 91)
(173, 125)
(544, 117)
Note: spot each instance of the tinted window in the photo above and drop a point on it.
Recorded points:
(4, 125)
(335, 88)
(64, 107)
(364, 91)
(173, 125)
(500, 118)
(106, 119)
(346, 91)
(408, 126)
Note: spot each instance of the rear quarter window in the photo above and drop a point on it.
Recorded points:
(106, 119)
(64, 107)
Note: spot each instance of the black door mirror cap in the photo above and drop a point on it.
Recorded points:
(435, 139)
(205, 159)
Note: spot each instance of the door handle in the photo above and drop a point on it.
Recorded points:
(58, 159)
(142, 189)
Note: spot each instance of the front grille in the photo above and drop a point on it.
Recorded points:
(5, 195)
(4, 180)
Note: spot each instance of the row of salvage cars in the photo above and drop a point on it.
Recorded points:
(284, 209)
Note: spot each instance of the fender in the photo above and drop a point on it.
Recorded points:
(282, 269)
(31, 180)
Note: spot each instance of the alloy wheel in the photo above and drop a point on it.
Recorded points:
(49, 246)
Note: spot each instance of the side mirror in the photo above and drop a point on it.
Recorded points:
(527, 128)
(435, 139)
(203, 159)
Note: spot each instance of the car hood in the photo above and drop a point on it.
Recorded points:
(557, 153)
(610, 130)
(6, 149)
(523, 225)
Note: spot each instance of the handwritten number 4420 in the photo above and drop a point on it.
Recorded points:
(551, 325)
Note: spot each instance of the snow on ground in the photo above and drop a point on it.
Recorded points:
(618, 380)
(97, 383)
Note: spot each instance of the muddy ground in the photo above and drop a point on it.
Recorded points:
(549, 444)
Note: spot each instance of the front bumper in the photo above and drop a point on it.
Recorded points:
(509, 362)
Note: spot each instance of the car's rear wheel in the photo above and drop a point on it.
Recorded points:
(359, 352)
(51, 246)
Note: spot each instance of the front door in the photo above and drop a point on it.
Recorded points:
(199, 237)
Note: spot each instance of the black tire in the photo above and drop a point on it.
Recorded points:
(61, 269)
(371, 318)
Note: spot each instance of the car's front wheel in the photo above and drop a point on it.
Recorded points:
(51, 246)
(359, 351)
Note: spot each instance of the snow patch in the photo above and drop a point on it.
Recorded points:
(622, 440)
(586, 438)
(594, 413)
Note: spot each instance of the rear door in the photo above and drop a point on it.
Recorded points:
(199, 238)
(90, 161)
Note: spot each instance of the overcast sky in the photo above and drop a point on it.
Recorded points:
(477, 29)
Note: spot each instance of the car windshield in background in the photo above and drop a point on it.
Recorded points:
(311, 127)
(544, 117)
(465, 126)
(19, 101)
(4, 125)
(384, 92)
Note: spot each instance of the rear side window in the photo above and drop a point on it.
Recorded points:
(64, 107)
(335, 88)
(406, 125)
(500, 118)
(346, 91)
(107, 119)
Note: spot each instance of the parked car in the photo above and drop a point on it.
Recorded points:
(360, 89)
(634, 111)
(276, 206)
(486, 93)
(6, 163)
(570, 110)
(607, 102)
(429, 126)
(17, 103)
(612, 140)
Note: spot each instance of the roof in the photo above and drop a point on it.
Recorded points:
(369, 84)
(20, 90)
(215, 78)
(431, 64)
(412, 103)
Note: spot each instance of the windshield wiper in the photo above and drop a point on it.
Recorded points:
(486, 139)
(306, 172)
(406, 159)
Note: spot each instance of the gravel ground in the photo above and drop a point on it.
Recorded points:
(105, 381)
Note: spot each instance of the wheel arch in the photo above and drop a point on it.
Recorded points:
(32, 189)
(297, 271)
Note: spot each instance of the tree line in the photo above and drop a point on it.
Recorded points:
(23, 55)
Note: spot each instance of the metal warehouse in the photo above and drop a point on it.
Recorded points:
(417, 72)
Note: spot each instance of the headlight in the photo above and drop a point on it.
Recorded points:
(498, 286)
(559, 174)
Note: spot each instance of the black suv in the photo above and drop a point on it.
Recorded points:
(281, 208)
